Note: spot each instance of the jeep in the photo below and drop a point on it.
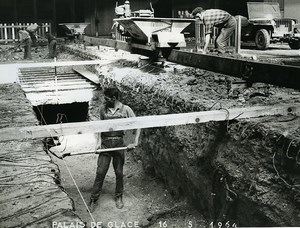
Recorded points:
(266, 25)
(294, 38)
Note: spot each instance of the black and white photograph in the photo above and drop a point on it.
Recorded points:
(149, 113)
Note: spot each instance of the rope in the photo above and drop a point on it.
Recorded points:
(277, 172)
(59, 119)
(79, 191)
(288, 149)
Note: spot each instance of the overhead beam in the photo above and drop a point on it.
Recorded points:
(275, 74)
(18, 133)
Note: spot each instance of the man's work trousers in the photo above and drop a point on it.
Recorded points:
(27, 49)
(52, 49)
(226, 31)
(33, 38)
(103, 165)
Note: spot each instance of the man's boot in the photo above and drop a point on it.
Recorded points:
(92, 205)
(119, 202)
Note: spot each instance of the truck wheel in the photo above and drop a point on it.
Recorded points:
(294, 44)
(262, 39)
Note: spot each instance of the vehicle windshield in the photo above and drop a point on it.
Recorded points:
(266, 10)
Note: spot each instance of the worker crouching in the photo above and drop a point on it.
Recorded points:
(216, 18)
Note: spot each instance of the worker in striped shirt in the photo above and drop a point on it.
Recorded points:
(216, 18)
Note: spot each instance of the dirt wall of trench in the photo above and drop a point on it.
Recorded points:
(239, 171)
(192, 161)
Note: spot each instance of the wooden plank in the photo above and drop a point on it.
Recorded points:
(28, 74)
(34, 81)
(46, 84)
(49, 76)
(122, 45)
(58, 87)
(144, 122)
(38, 80)
(275, 74)
(5, 33)
(238, 35)
(88, 74)
(58, 64)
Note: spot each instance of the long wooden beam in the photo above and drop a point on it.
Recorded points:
(17, 133)
(88, 75)
(275, 74)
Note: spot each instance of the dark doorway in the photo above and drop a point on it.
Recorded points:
(62, 113)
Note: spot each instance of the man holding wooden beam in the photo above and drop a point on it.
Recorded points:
(112, 109)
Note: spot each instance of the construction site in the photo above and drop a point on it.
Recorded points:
(219, 144)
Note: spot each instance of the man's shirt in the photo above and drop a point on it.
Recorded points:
(121, 111)
(214, 17)
(23, 35)
(32, 28)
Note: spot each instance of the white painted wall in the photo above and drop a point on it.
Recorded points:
(292, 9)
(8, 73)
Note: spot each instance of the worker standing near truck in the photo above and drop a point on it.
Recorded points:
(112, 109)
(216, 18)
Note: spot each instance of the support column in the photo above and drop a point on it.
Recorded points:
(73, 18)
(96, 32)
(15, 11)
(53, 26)
(172, 7)
(34, 11)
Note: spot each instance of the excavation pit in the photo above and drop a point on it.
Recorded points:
(257, 157)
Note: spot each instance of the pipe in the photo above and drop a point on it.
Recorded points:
(87, 152)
